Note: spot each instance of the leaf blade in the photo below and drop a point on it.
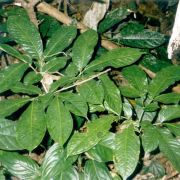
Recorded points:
(29, 39)
(59, 121)
(31, 126)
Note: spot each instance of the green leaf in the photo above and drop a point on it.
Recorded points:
(8, 135)
(151, 107)
(32, 78)
(132, 27)
(168, 113)
(113, 18)
(59, 121)
(170, 147)
(112, 99)
(62, 82)
(69, 174)
(95, 131)
(71, 70)
(96, 171)
(26, 89)
(20, 166)
(153, 63)
(31, 126)
(2, 177)
(168, 98)
(13, 52)
(45, 99)
(129, 91)
(8, 106)
(126, 152)
(92, 92)
(83, 48)
(127, 109)
(108, 140)
(156, 169)
(96, 108)
(55, 64)
(61, 39)
(10, 75)
(101, 153)
(149, 137)
(143, 39)
(136, 78)
(163, 80)
(75, 104)
(26, 34)
(55, 162)
(174, 128)
(116, 58)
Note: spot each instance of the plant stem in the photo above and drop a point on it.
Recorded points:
(83, 81)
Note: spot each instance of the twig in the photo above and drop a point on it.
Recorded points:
(83, 81)
(29, 6)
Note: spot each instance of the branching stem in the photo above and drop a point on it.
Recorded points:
(83, 81)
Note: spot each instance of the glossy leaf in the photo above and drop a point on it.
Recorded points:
(75, 104)
(113, 18)
(127, 109)
(112, 96)
(10, 75)
(71, 70)
(8, 135)
(170, 147)
(69, 174)
(19, 166)
(116, 58)
(60, 40)
(94, 170)
(153, 63)
(163, 80)
(143, 39)
(151, 107)
(96, 108)
(62, 82)
(83, 48)
(8, 106)
(31, 126)
(54, 64)
(55, 162)
(13, 52)
(155, 168)
(149, 137)
(101, 153)
(32, 78)
(92, 92)
(25, 89)
(168, 113)
(173, 127)
(108, 140)
(126, 152)
(168, 98)
(94, 132)
(129, 91)
(59, 121)
(136, 77)
(26, 34)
